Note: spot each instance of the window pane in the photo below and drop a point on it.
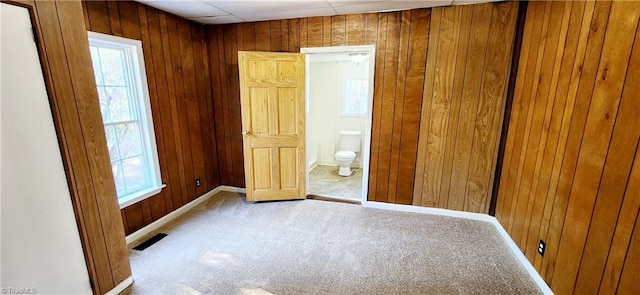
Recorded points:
(112, 66)
(134, 173)
(116, 168)
(129, 140)
(96, 65)
(123, 107)
(118, 102)
(112, 142)
(104, 105)
(356, 97)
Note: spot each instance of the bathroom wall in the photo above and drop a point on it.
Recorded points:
(326, 103)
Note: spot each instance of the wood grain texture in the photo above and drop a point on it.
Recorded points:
(404, 82)
(623, 231)
(386, 107)
(570, 173)
(545, 66)
(401, 46)
(565, 57)
(177, 65)
(272, 98)
(466, 78)
(381, 50)
(578, 115)
(615, 177)
(463, 141)
(630, 275)
(73, 97)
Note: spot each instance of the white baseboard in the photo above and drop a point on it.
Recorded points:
(120, 287)
(233, 189)
(165, 219)
(427, 210)
(474, 216)
(312, 165)
(355, 164)
(523, 259)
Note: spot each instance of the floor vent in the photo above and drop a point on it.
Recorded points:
(146, 244)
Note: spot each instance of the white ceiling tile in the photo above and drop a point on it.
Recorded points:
(388, 6)
(286, 14)
(228, 11)
(223, 19)
(463, 2)
(352, 2)
(238, 7)
(188, 8)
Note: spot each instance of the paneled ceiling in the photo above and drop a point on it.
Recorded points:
(226, 12)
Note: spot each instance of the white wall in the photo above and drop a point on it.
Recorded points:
(326, 119)
(40, 245)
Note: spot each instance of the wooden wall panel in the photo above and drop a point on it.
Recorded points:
(73, 97)
(570, 171)
(401, 46)
(177, 66)
(471, 95)
(464, 96)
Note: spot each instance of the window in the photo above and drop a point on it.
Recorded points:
(126, 113)
(356, 98)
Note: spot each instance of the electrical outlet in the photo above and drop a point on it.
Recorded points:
(198, 183)
(542, 246)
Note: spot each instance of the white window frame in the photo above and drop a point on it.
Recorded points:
(139, 82)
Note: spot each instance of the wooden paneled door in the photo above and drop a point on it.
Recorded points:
(272, 103)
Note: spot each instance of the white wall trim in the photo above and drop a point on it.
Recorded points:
(427, 210)
(523, 259)
(233, 189)
(355, 164)
(120, 287)
(366, 149)
(171, 216)
(473, 216)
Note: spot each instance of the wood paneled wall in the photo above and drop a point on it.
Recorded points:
(402, 40)
(571, 170)
(64, 53)
(177, 66)
(464, 98)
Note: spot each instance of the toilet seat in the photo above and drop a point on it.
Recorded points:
(345, 155)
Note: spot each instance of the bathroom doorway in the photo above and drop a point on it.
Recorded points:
(338, 110)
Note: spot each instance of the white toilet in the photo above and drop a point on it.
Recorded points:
(348, 146)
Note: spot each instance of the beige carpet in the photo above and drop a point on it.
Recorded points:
(229, 246)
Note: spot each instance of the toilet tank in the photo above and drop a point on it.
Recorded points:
(349, 141)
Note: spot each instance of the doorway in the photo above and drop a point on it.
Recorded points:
(338, 112)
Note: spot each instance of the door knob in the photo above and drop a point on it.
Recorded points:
(246, 132)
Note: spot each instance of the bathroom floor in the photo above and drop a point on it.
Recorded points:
(325, 181)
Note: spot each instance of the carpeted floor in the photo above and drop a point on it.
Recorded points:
(228, 246)
(325, 181)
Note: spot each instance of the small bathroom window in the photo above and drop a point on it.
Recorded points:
(355, 98)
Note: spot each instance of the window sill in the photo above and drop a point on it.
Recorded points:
(139, 196)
